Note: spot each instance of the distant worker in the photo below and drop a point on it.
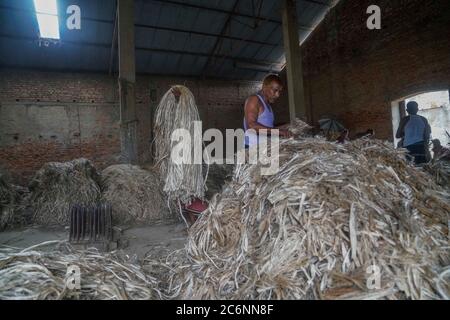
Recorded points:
(343, 137)
(415, 132)
(370, 133)
(258, 111)
(440, 152)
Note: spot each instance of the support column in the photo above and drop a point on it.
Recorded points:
(294, 71)
(153, 107)
(127, 80)
(402, 108)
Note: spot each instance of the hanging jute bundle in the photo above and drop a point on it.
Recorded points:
(177, 110)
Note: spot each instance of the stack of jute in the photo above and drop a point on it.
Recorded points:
(57, 186)
(336, 221)
(134, 194)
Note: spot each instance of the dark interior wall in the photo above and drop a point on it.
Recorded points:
(355, 73)
(53, 116)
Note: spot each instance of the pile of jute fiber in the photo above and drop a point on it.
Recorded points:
(10, 204)
(134, 194)
(218, 175)
(38, 274)
(330, 217)
(440, 170)
(57, 186)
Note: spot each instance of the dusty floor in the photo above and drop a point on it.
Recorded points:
(136, 240)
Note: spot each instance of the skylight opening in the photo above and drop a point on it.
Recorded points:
(47, 17)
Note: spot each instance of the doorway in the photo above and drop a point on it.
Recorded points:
(434, 106)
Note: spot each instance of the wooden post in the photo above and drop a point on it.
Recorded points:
(402, 108)
(296, 92)
(127, 80)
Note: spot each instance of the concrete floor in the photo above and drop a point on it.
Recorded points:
(137, 240)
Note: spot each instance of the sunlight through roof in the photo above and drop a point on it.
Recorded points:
(47, 17)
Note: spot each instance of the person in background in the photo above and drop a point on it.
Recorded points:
(439, 151)
(369, 133)
(343, 137)
(415, 132)
(258, 111)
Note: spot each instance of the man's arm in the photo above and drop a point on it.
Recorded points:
(252, 113)
(401, 129)
(283, 126)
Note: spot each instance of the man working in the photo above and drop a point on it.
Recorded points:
(258, 111)
(439, 151)
(370, 133)
(415, 132)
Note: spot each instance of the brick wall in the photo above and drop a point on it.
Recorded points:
(354, 73)
(52, 116)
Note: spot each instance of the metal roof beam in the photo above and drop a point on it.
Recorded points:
(154, 50)
(190, 5)
(224, 28)
(236, 14)
(317, 2)
(114, 41)
(206, 34)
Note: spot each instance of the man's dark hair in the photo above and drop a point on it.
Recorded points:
(412, 107)
(436, 142)
(272, 78)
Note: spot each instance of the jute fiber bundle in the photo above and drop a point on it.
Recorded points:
(10, 204)
(57, 186)
(177, 110)
(135, 195)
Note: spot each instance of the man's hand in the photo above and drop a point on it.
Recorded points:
(284, 126)
(285, 133)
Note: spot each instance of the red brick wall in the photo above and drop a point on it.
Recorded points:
(52, 116)
(355, 73)
(35, 86)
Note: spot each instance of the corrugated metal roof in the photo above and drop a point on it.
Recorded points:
(173, 37)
